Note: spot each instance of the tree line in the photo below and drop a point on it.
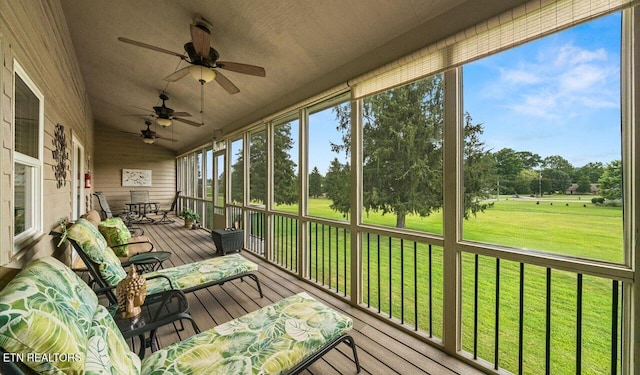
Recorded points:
(402, 169)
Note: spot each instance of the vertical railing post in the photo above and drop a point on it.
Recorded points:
(452, 198)
(356, 202)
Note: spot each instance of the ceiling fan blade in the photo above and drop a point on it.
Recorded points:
(226, 84)
(242, 68)
(178, 74)
(187, 121)
(182, 114)
(149, 46)
(200, 39)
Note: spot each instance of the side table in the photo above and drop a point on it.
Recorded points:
(148, 262)
(158, 310)
(227, 241)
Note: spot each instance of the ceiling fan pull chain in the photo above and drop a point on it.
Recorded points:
(202, 101)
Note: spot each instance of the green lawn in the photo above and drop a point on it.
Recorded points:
(569, 226)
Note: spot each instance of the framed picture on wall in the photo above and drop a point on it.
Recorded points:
(136, 177)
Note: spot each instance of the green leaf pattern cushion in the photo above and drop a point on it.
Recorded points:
(47, 309)
(95, 247)
(271, 340)
(198, 273)
(89, 238)
(108, 352)
(116, 233)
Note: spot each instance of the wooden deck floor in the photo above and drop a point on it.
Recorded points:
(382, 349)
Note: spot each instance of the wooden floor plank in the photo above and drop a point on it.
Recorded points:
(382, 348)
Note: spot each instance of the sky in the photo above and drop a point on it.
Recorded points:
(558, 95)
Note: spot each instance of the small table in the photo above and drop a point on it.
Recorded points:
(158, 310)
(228, 241)
(141, 209)
(150, 261)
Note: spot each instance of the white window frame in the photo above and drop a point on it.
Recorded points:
(34, 216)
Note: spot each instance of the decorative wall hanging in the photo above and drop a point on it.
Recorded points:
(136, 177)
(60, 156)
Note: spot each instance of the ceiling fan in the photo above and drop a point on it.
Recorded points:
(165, 115)
(148, 135)
(203, 58)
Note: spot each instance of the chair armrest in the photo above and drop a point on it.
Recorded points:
(150, 246)
(162, 277)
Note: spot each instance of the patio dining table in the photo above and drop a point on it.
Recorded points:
(140, 209)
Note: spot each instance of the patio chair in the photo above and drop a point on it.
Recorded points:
(48, 312)
(142, 196)
(106, 270)
(164, 219)
(128, 247)
(125, 214)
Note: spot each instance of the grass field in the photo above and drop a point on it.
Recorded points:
(561, 224)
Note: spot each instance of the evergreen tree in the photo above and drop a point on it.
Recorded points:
(258, 167)
(237, 173)
(402, 152)
(337, 186)
(479, 169)
(315, 183)
(285, 178)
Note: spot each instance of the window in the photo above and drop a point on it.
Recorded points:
(28, 122)
(199, 175)
(402, 156)
(237, 172)
(285, 167)
(545, 172)
(209, 174)
(329, 169)
(258, 167)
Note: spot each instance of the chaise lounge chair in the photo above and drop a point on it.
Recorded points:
(106, 270)
(52, 323)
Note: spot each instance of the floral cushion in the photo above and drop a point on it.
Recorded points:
(271, 340)
(93, 244)
(116, 233)
(47, 309)
(108, 352)
(191, 275)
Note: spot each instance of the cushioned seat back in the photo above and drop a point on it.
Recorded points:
(47, 319)
(94, 247)
(116, 233)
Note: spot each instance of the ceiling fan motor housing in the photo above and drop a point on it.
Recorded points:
(163, 111)
(196, 59)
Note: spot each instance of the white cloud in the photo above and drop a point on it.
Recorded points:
(520, 76)
(571, 55)
(558, 82)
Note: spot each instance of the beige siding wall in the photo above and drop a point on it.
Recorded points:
(35, 34)
(116, 150)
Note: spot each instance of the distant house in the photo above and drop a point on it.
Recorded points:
(574, 187)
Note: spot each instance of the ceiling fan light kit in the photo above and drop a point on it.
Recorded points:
(202, 73)
(164, 122)
(148, 141)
